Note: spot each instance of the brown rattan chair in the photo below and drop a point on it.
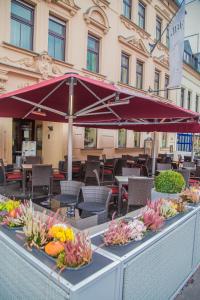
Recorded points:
(96, 202)
(41, 176)
(108, 170)
(90, 177)
(139, 191)
(14, 176)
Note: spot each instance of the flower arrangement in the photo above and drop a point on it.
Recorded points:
(9, 205)
(121, 232)
(61, 232)
(170, 182)
(152, 220)
(77, 252)
(16, 218)
(191, 195)
(37, 227)
(8, 208)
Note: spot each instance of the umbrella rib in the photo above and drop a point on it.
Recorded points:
(43, 99)
(101, 107)
(100, 100)
(39, 106)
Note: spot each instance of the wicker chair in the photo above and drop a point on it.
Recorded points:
(41, 176)
(108, 169)
(121, 163)
(163, 167)
(96, 202)
(32, 160)
(187, 158)
(195, 179)
(90, 177)
(14, 176)
(139, 191)
(186, 175)
(69, 197)
(188, 164)
(130, 171)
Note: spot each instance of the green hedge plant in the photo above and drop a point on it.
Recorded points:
(170, 182)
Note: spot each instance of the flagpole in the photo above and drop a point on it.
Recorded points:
(154, 46)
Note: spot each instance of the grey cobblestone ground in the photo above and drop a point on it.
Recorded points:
(191, 290)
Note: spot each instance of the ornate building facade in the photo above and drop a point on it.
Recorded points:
(105, 40)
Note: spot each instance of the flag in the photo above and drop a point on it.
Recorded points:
(176, 47)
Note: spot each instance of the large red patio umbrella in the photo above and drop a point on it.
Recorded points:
(79, 100)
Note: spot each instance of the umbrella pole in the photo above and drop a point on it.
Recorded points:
(192, 152)
(70, 128)
(154, 154)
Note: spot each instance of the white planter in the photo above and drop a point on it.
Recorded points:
(157, 195)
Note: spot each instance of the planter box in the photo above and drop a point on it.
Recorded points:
(158, 195)
(157, 267)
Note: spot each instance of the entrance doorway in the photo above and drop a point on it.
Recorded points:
(23, 130)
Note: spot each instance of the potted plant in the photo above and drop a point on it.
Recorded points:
(168, 184)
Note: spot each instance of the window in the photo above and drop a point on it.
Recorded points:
(124, 68)
(182, 97)
(166, 93)
(93, 54)
(158, 28)
(139, 74)
(167, 37)
(197, 103)
(90, 138)
(121, 138)
(157, 82)
(141, 15)
(164, 140)
(189, 99)
(184, 142)
(127, 7)
(137, 139)
(22, 22)
(56, 38)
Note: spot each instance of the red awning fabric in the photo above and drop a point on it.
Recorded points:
(186, 127)
(119, 105)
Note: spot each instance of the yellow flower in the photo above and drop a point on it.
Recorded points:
(61, 233)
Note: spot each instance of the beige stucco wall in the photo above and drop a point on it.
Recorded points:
(19, 67)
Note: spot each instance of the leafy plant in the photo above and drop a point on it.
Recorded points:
(77, 252)
(170, 182)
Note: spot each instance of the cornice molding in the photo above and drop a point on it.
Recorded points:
(163, 61)
(91, 74)
(101, 3)
(132, 26)
(134, 44)
(97, 17)
(163, 12)
(69, 5)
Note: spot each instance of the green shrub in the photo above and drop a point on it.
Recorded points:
(170, 182)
